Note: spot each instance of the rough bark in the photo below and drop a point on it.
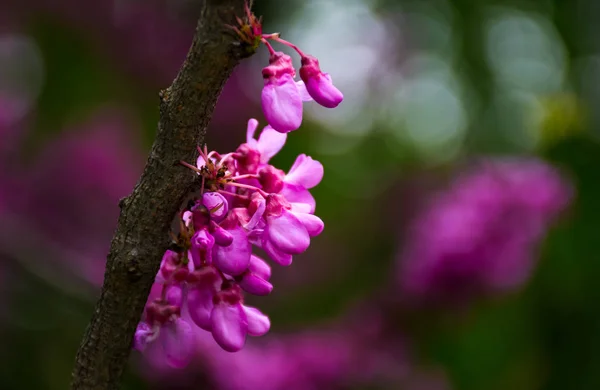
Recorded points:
(142, 233)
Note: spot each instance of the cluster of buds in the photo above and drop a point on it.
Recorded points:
(282, 96)
(243, 202)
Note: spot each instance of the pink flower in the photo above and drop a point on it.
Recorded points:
(234, 258)
(204, 282)
(281, 99)
(268, 144)
(171, 268)
(254, 284)
(211, 260)
(164, 328)
(271, 179)
(173, 336)
(254, 154)
(216, 204)
(258, 323)
(305, 174)
(259, 267)
(80, 177)
(480, 236)
(222, 237)
(229, 325)
(287, 231)
(201, 245)
(231, 321)
(255, 279)
(319, 84)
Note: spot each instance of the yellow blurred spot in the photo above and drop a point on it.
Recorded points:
(560, 116)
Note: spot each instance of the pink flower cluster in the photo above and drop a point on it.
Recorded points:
(243, 202)
(282, 97)
(480, 236)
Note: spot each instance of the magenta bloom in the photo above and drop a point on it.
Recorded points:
(351, 354)
(231, 321)
(229, 325)
(281, 99)
(304, 174)
(163, 328)
(173, 336)
(286, 231)
(234, 258)
(255, 154)
(243, 203)
(255, 279)
(80, 177)
(203, 284)
(216, 204)
(481, 235)
(319, 84)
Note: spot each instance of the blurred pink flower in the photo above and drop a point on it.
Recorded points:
(354, 352)
(135, 33)
(72, 190)
(480, 236)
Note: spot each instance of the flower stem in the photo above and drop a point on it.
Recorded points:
(290, 44)
(271, 50)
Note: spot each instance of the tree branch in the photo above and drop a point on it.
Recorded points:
(142, 234)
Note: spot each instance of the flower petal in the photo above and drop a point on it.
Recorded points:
(258, 214)
(313, 224)
(275, 254)
(305, 172)
(174, 295)
(187, 218)
(229, 326)
(200, 305)
(259, 267)
(270, 143)
(144, 335)
(282, 104)
(302, 208)
(287, 233)
(233, 259)
(258, 323)
(177, 340)
(216, 204)
(222, 237)
(202, 239)
(255, 237)
(254, 284)
(321, 89)
(298, 194)
(303, 92)
(250, 130)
